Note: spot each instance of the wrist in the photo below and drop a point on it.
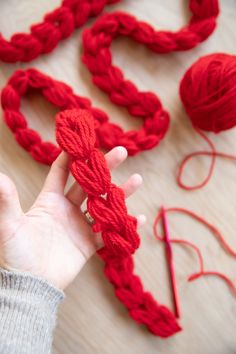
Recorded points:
(25, 281)
(28, 307)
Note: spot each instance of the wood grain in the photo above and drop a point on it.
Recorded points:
(91, 320)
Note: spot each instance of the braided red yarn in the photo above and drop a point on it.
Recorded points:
(56, 26)
(106, 204)
(98, 58)
(61, 95)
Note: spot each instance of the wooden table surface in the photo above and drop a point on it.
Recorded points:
(91, 320)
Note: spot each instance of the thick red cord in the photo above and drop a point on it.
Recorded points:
(61, 95)
(106, 204)
(56, 26)
(214, 231)
(97, 56)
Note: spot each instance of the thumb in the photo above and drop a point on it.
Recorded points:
(10, 207)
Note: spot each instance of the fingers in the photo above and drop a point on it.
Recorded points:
(10, 207)
(132, 184)
(113, 159)
(141, 219)
(58, 175)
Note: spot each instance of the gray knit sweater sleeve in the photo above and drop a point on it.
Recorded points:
(28, 307)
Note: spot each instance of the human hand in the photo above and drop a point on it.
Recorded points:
(52, 239)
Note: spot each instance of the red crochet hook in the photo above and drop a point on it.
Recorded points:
(169, 258)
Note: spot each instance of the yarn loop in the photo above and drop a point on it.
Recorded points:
(108, 135)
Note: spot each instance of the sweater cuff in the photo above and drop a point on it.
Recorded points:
(28, 307)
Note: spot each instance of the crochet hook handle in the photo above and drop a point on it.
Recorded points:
(169, 258)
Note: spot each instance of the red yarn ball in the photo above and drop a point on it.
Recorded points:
(208, 92)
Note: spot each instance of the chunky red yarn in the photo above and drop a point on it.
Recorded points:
(208, 93)
(61, 95)
(98, 58)
(106, 204)
(56, 26)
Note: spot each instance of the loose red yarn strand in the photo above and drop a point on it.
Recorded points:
(182, 166)
(215, 274)
(214, 230)
(211, 227)
(213, 154)
(175, 240)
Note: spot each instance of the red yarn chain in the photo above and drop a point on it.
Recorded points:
(106, 204)
(98, 58)
(56, 26)
(61, 95)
